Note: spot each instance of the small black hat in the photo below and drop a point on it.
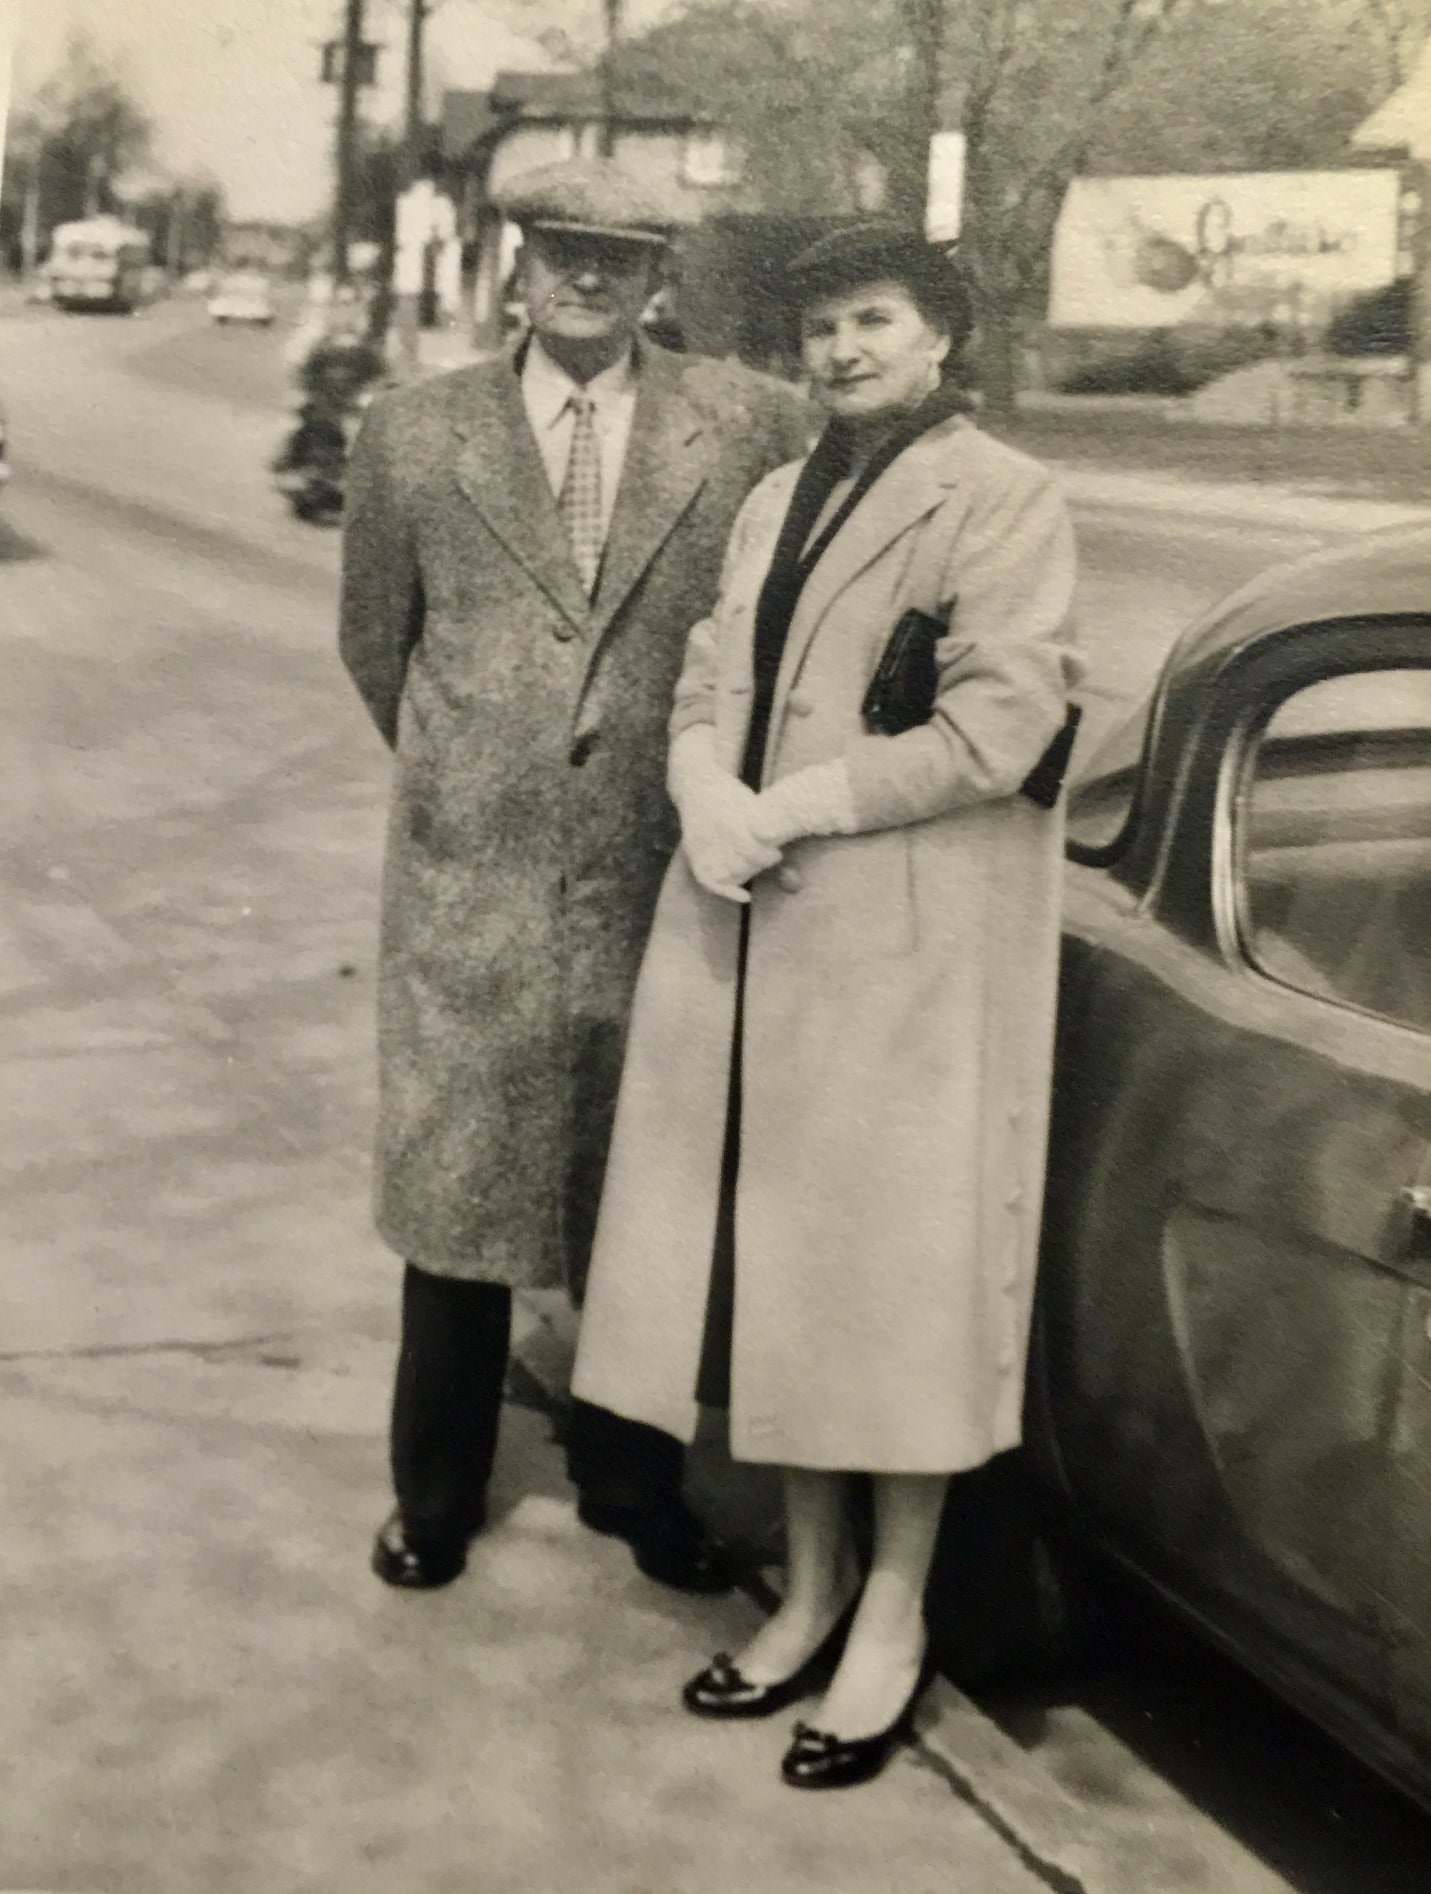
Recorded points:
(879, 250)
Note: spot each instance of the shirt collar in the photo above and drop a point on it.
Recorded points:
(548, 387)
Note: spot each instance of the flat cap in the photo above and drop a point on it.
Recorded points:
(593, 195)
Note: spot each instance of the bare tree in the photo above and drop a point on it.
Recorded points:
(805, 86)
(1032, 78)
(83, 129)
(1281, 88)
(1399, 29)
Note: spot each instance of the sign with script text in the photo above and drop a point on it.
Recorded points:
(1246, 247)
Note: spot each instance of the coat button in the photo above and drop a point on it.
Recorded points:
(790, 879)
(582, 748)
(565, 630)
(800, 706)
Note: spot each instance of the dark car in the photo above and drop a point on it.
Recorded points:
(1230, 1387)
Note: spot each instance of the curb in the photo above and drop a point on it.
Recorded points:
(1227, 502)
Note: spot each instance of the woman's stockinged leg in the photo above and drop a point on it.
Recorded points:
(821, 1577)
(886, 1646)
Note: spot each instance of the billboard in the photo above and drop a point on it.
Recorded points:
(1289, 247)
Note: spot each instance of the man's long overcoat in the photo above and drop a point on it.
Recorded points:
(529, 825)
(898, 1004)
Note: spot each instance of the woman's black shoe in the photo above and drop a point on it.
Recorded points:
(418, 1564)
(818, 1760)
(721, 1690)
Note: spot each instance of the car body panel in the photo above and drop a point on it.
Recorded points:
(1231, 1382)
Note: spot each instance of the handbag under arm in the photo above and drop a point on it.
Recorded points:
(903, 690)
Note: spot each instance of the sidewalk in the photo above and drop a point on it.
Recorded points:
(216, 1696)
(206, 1690)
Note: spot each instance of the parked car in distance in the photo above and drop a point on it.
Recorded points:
(1230, 1384)
(243, 296)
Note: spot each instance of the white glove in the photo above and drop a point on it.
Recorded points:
(817, 800)
(716, 811)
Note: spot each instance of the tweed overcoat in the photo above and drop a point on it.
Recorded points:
(899, 1004)
(529, 824)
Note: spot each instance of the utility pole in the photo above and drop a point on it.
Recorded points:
(30, 217)
(1417, 178)
(408, 291)
(612, 9)
(349, 78)
(413, 126)
(176, 234)
(923, 50)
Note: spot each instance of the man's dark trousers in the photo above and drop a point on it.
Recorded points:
(447, 1401)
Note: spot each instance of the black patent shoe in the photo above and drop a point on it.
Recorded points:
(668, 1543)
(722, 1690)
(818, 1760)
(418, 1564)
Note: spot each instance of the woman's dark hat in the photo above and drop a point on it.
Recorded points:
(876, 250)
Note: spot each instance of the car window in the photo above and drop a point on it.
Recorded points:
(1334, 844)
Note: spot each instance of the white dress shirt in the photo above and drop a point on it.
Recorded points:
(546, 393)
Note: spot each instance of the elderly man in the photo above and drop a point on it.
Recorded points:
(527, 543)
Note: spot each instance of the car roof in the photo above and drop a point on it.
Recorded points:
(1377, 574)
(1381, 573)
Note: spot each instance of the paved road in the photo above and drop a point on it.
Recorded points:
(208, 1691)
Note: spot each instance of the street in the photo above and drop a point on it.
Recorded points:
(206, 1688)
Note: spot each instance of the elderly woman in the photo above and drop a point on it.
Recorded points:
(822, 1203)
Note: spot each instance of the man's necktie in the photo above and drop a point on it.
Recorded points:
(579, 502)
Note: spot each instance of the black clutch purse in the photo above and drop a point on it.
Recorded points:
(905, 684)
(902, 691)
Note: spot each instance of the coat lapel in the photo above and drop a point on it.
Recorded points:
(667, 459)
(913, 486)
(501, 472)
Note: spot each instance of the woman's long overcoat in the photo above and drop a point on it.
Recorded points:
(529, 827)
(899, 1003)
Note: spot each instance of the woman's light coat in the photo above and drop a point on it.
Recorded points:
(899, 1003)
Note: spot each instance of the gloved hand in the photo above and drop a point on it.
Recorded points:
(816, 800)
(716, 811)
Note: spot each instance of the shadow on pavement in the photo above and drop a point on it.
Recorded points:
(1286, 1792)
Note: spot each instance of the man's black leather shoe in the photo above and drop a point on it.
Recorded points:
(419, 1564)
(668, 1543)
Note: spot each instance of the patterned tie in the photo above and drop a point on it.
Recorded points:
(579, 502)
